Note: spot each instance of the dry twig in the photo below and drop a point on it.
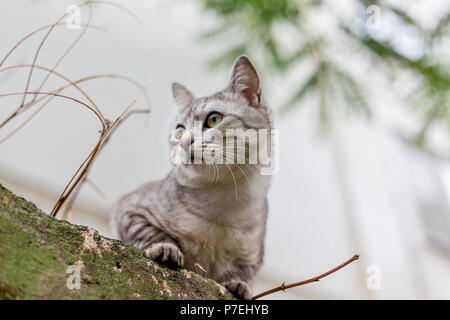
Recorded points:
(41, 44)
(80, 176)
(287, 286)
(198, 266)
(83, 169)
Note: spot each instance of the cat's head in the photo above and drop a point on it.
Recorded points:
(220, 130)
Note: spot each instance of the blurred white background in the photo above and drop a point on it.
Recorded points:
(360, 190)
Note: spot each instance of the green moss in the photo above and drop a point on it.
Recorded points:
(23, 262)
(36, 249)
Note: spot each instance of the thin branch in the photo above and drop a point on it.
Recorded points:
(58, 22)
(50, 71)
(198, 266)
(84, 167)
(70, 83)
(30, 73)
(323, 275)
(76, 192)
(38, 30)
(56, 95)
(99, 191)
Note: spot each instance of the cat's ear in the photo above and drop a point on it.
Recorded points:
(181, 95)
(245, 80)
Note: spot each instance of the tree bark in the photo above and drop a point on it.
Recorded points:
(41, 258)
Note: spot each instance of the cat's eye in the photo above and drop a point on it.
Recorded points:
(179, 132)
(213, 120)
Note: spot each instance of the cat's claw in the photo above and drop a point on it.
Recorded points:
(166, 253)
(239, 288)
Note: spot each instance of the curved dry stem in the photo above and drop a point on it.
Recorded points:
(106, 126)
(70, 83)
(43, 41)
(56, 95)
(84, 167)
(317, 278)
(37, 31)
(72, 199)
(41, 44)
(120, 77)
(23, 124)
(72, 45)
(52, 71)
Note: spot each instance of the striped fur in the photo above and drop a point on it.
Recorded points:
(211, 215)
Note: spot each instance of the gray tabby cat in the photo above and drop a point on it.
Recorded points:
(211, 214)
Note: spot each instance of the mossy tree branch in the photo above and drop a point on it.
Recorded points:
(36, 251)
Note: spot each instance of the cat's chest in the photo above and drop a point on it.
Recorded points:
(216, 246)
(218, 237)
(227, 230)
(232, 228)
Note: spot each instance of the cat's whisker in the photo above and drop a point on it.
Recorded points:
(214, 170)
(246, 178)
(231, 156)
(239, 158)
(244, 174)
(246, 164)
(216, 173)
(234, 180)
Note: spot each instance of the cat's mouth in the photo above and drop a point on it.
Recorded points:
(198, 154)
(193, 157)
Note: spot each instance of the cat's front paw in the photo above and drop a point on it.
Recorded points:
(239, 288)
(166, 253)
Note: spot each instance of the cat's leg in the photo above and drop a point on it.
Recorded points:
(237, 280)
(239, 288)
(166, 252)
(134, 228)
